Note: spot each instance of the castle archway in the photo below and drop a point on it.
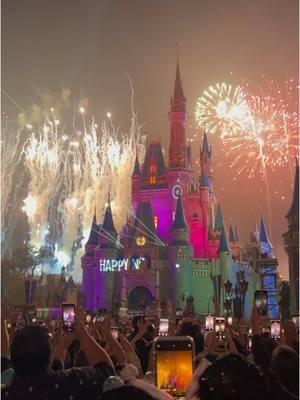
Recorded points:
(139, 298)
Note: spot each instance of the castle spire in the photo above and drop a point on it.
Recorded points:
(294, 208)
(136, 169)
(205, 147)
(178, 90)
(219, 219)
(205, 160)
(178, 152)
(231, 234)
(237, 235)
(263, 234)
(223, 246)
(108, 223)
(204, 182)
(179, 220)
(93, 238)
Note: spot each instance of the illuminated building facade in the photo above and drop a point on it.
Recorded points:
(291, 244)
(176, 245)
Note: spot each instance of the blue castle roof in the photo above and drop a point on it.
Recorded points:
(231, 234)
(205, 147)
(136, 169)
(179, 220)
(264, 235)
(219, 219)
(93, 238)
(143, 221)
(108, 223)
(294, 208)
(154, 153)
(223, 246)
(204, 182)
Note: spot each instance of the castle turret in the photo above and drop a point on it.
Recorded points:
(106, 253)
(88, 263)
(178, 118)
(234, 243)
(71, 291)
(225, 260)
(219, 220)
(231, 236)
(180, 255)
(205, 160)
(93, 240)
(136, 181)
(291, 244)
(265, 244)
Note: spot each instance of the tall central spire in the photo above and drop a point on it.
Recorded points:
(178, 90)
(178, 101)
(178, 118)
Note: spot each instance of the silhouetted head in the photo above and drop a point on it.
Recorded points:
(285, 365)
(232, 378)
(188, 327)
(31, 351)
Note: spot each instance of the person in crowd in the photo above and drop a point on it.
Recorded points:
(189, 327)
(141, 340)
(285, 365)
(31, 356)
(231, 377)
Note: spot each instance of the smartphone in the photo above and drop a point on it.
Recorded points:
(179, 313)
(33, 321)
(229, 320)
(275, 329)
(163, 327)
(261, 302)
(174, 365)
(209, 322)
(220, 327)
(115, 332)
(68, 316)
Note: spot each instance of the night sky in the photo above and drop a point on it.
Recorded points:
(89, 46)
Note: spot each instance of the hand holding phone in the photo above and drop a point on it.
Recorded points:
(68, 316)
(220, 327)
(261, 302)
(174, 364)
(275, 329)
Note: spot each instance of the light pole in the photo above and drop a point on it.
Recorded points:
(228, 300)
(243, 290)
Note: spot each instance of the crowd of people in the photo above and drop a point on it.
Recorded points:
(41, 360)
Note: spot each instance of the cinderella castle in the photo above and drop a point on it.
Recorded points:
(176, 248)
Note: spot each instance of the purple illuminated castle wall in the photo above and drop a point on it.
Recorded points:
(176, 234)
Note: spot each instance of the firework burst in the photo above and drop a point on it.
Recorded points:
(222, 109)
(72, 164)
(258, 131)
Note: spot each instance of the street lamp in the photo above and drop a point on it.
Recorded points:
(228, 300)
(243, 290)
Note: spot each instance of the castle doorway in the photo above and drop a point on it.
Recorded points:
(139, 298)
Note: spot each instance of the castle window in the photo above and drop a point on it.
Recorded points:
(152, 170)
(155, 221)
